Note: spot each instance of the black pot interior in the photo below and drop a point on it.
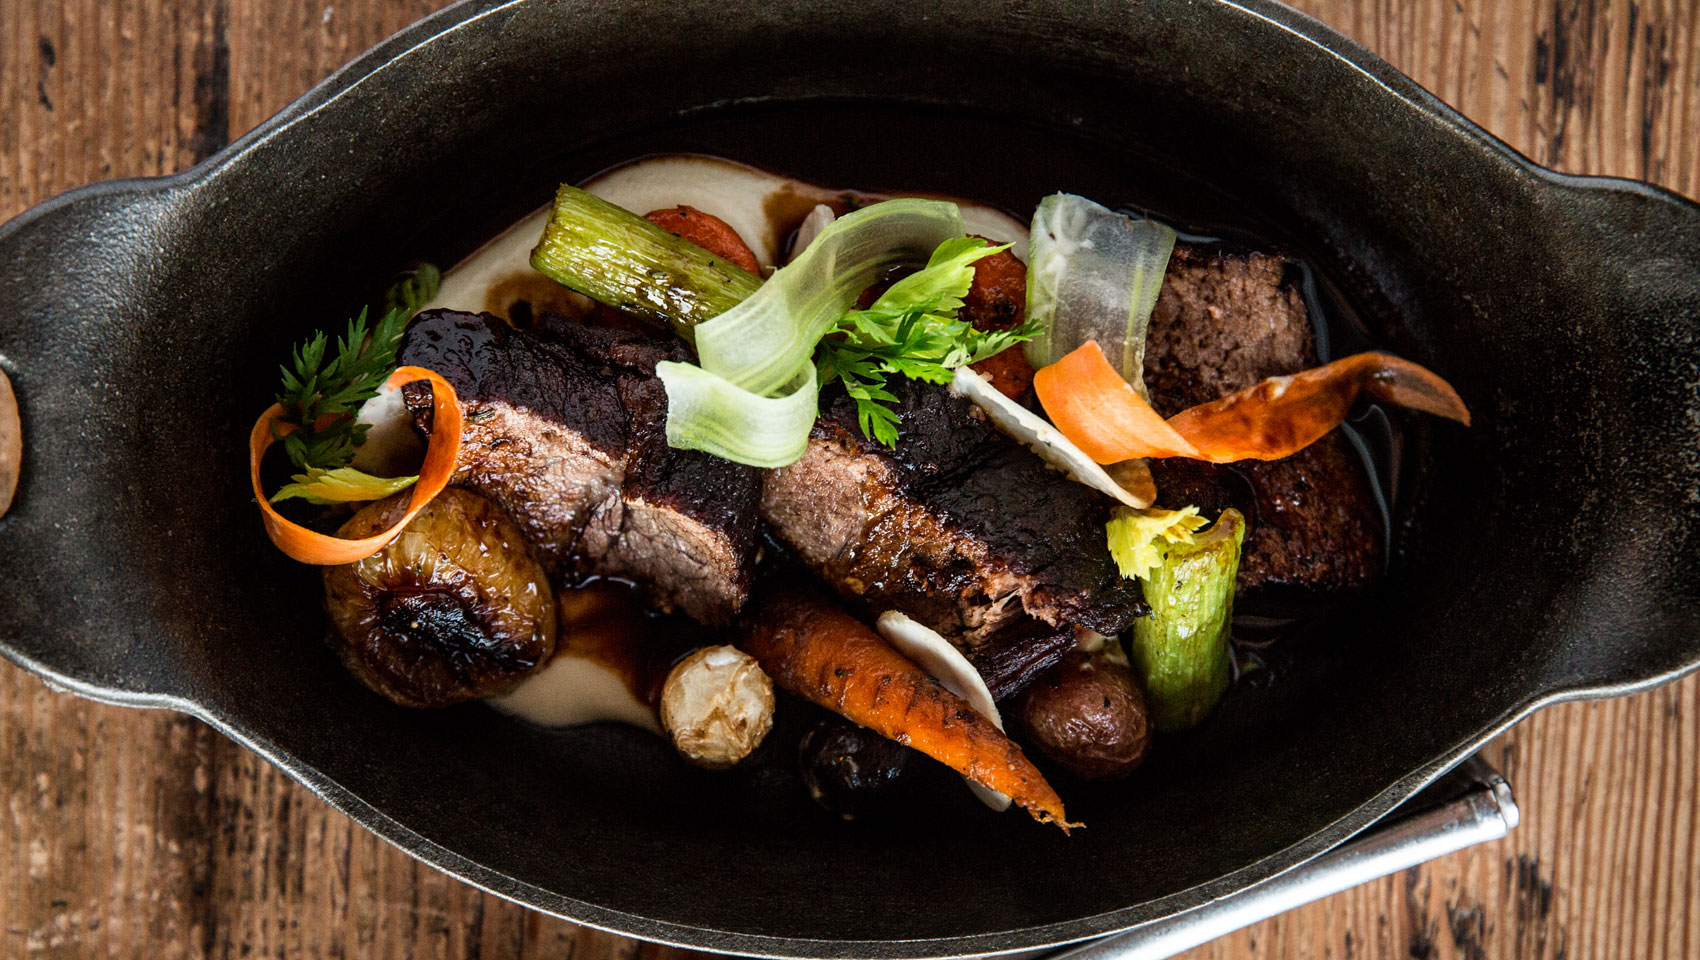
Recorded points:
(1511, 581)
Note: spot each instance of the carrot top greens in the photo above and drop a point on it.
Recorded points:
(912, 330)
(321, 399)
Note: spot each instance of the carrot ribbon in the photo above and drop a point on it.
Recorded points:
(1101, 413)
(310, 546)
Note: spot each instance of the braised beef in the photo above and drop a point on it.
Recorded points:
(958, 526)
(1224, 321)
(1018, 652)
(565, 430)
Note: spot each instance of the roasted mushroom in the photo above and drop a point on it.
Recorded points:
(849, 770)
(453, 609)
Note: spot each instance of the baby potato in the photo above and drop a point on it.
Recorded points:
(1086, 715)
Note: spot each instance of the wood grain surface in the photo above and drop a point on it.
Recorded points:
(141, 834)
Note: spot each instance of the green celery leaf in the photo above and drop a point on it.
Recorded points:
(342, 485)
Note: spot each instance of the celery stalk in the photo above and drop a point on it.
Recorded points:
(1181, 649)
(616, 257)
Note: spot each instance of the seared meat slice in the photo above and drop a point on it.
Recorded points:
(1223, 322)
(958, 526)
(688, 520)
(565, 431)
(1018, 652)
(545, 434)
(1313, 527)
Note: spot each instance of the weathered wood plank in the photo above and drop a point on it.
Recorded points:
(104, 844)
(141, 834)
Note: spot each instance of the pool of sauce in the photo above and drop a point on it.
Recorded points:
(611, 658)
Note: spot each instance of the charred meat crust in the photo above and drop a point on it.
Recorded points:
(565, 430)
(1312, 527)
(958, 526)
(1015, 655)
(1224, 321)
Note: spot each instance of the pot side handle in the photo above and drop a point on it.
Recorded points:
(1636, 620)
(68, 268)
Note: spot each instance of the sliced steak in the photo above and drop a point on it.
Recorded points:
(564, 430)
(1224, 321)
(958, 526)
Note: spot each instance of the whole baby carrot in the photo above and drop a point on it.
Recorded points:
(812, 648)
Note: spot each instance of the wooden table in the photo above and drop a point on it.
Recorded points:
(142, 834)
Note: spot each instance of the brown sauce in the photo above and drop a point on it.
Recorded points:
(610, 623)
(520, 296)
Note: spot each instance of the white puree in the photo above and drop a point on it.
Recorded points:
(761, 206)
(573, 688)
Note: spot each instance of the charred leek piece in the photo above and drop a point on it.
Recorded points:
(1181, 649)
(616, 257)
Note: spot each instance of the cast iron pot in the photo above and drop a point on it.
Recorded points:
(1548, 553)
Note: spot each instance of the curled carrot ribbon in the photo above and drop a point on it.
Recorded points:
(310, 546)
(1101, 413)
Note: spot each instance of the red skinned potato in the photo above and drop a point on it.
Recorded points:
(1086, 715)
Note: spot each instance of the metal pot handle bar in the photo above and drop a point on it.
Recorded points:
(1471, 805)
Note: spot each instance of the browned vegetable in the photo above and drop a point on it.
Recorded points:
(848, 769)
(454, 608)
(820, 653)
(717, 706)
(1087, 716)
(706, 231)
(997, 300)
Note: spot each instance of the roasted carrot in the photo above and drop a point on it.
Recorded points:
(706, 231)
(997, 300)
(1280, 416)
(309, 546)
(1093, 406)
(812, 648)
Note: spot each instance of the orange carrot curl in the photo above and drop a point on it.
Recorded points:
(1101, 413)
(309, 546)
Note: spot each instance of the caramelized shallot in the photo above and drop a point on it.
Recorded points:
(454, 608)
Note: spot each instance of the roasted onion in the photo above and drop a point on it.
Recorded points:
(453, 609)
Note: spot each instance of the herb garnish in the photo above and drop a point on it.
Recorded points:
(912, 330)
(322, 400)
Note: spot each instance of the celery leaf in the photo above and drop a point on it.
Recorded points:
(912, 330)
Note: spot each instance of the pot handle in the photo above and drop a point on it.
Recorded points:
(11, 443)
(1635, 621)
(69, 268)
